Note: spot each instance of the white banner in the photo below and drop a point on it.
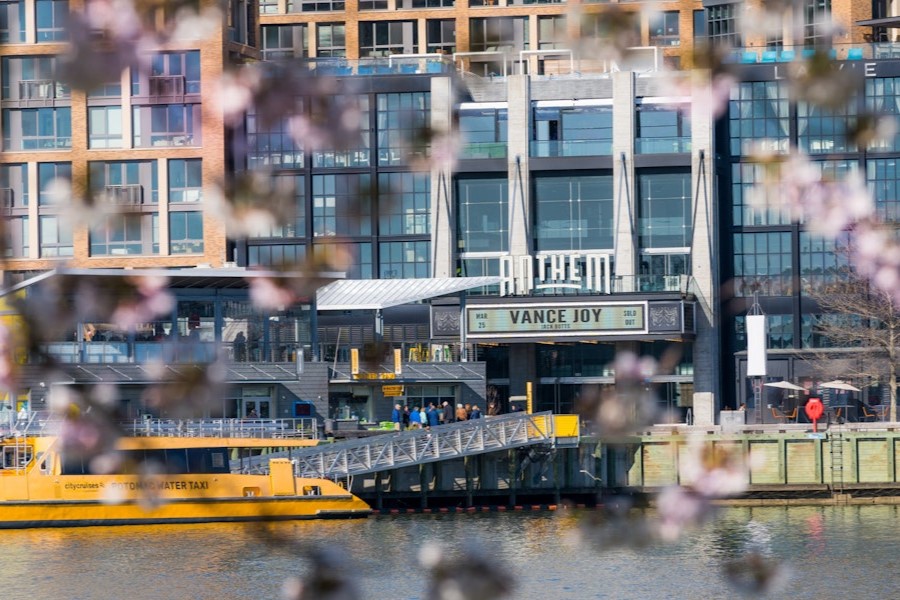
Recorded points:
(756, 345)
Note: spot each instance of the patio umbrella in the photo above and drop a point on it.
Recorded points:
(785, 385)
(837, 384)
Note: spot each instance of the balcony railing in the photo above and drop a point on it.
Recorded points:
(169, 352)
(547, 148)
(484, 150)
(672, 145)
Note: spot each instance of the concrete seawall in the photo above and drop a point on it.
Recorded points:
(854, 463)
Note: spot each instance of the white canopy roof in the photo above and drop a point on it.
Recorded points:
(375, 294)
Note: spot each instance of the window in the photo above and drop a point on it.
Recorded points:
(662, 130)
(166, 125)
(186, 180)
(359, 156)
(483, 209)
(293, 224)
(132, 182)
(373, 4)
(268, 7)
(575, 131)
(762, 264)
(440, 35)
(171, 74)
(883, 98)
(273, 146)
(17, 238)
(664, 210)
(37, 128)
(361, 264)
(404, 260)
(383, 38)
(31, 78)
(13, 186)
(496, 33)
(240, 15)
(50, 176)
(427, 3)
(56, 237)
(404, 201)
(552, 32)
(759, 117)
(112, 89)
(341, 205)
(779, 332)
(484, 132)
(699, 25)
(573, 212)
(817, 25)
(104, 127)
(883, 176)
(284, 41)
(746, 179)
(402, 118)
(331, 40)
(722, 24)
(12, 22)
(823, 131)
(52, 17)
(186, 232)
(823, 261)
(275, 254)
(314, 5)
(664, 29)
(126, 235)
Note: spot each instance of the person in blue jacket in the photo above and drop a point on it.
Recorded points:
(397, 417)
(476, 413)
(432, 413)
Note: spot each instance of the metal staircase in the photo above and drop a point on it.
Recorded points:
(402, 449)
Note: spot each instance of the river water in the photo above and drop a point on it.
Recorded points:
(829, 552)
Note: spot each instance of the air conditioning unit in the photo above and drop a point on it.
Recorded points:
(167, 85)
(37, 89)
(124, 194)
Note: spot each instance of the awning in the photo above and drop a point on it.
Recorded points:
(376, 294)
(882, 22)
(186, 278)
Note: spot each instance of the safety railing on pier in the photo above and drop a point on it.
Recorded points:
(408, 448)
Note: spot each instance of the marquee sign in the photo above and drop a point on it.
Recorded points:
(541, 319)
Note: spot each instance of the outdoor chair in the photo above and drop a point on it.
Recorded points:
(865, 415)
(783, 416)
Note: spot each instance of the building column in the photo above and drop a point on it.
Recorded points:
(443, 227)
(704, 271)
(519, 128)
(624, 206)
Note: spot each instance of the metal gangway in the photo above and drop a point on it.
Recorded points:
(408, 448)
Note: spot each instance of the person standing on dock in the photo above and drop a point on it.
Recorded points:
(432, 415)
(461, 414)
(476, 412)
(493, 409)
(404, 419)
(447, 412)
(397, 417)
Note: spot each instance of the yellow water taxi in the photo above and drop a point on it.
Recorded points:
(166, 472)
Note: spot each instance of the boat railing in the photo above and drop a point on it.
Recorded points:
(44, 423)
(302, 428)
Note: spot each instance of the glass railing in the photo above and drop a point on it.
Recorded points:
(547, 149)
(675, 145)
(632, 284)
(484, 150)
(397, 65)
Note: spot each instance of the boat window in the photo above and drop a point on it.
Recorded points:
(16, 457)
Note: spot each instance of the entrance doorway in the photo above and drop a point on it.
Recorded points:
(257, 408)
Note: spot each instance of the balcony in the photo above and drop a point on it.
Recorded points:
(167, 86)
(7, 199)
(484, 150)
(554, 148)
(42, 89)
(124, 195)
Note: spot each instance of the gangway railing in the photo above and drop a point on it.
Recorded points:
(408, 448)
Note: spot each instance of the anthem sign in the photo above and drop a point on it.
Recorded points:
(541, 319)
(583, 272)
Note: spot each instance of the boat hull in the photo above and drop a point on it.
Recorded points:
(30, 514)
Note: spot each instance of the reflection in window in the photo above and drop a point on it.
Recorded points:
(573, 212)
(484, 132)
(883, 98)
(186, 232)
(126, 234)
(186, 180)
(293, 225)
(104, 127)
(404, 203)
(483, 213)
(664, 210)
(56, 236)
(342, 205)
(759, 117)
(779, 332)
(662, 130)
(275, 254)
(404, 260)
(402, 119)
(762, 264)
(572, 131)
(822, 261)
(52, 17)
